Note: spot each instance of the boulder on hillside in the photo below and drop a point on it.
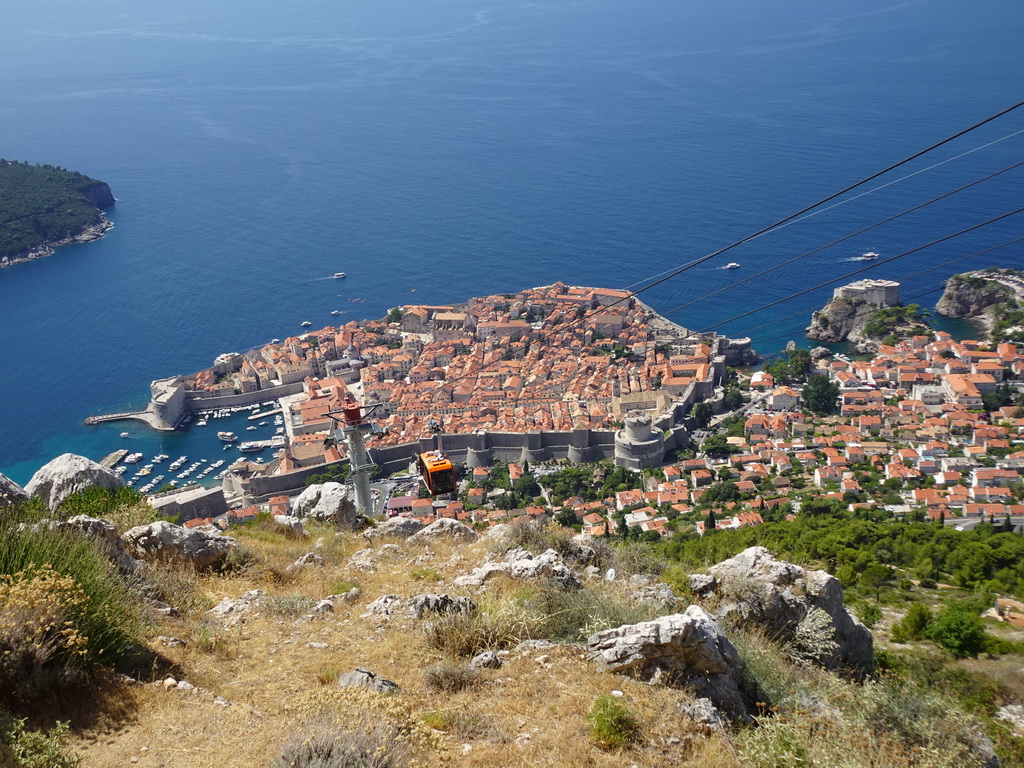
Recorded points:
(67, 475)
(328, 503)
(399, 527)
(169, 543)
(364, 678)
(421, 605)
(793, 604)
(687, 649)
(10, 491)
(445, 528)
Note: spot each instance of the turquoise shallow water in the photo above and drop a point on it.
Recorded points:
(461, 147)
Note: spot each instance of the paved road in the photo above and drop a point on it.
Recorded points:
(969, 523)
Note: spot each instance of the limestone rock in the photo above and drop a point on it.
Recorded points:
(705, 714)
(703, 583)
(328, 503)
(486, 660)
(688, 648)
(793, 604)
(521, 564)
(364, 678)
(1014, 715)
(165, 542)
(308, 560)
(67, 475)
(366, 559)
(289, 521)
(445, 527)
(10, 491)
(399, 527)
(104, 532)
(384, 606)
(421, 605)
(235, 607)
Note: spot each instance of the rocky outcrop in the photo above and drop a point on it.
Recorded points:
(444, 528)
(67, 475)
(520, 564)
(973, 297)
(10, 491)
(838, 319)
(858, 321)
(169, 543)
(800, 607)
(969, 296)
(328, 503)
(399, 527)
(687, 649)
(105, 533)
(364, 678)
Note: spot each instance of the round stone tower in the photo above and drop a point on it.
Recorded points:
(638, 445)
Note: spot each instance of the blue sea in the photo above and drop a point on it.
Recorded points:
(463, 147)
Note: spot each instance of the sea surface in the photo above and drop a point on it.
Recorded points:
(463, 147)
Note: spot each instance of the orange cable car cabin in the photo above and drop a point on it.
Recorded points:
(437, 472)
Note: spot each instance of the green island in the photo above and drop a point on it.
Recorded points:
(45, 206)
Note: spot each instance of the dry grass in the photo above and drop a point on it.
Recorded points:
(524, 714)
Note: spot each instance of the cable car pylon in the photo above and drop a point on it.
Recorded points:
(351, 420)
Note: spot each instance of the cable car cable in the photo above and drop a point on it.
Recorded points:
(865, 269)
(843, 238)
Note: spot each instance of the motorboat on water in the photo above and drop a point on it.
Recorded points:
(124, 434)
(227, 437)
(305, 323)
(339, 275)
(869, 256)
(335, 311)
(732, 265)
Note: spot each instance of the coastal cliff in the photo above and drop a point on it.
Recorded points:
(990, 297)
(863, 323)
(43, 207)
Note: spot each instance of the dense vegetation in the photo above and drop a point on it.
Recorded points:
(984, 559)
(41, 204)
(891, 320)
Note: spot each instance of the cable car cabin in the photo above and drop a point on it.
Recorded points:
(437, 472)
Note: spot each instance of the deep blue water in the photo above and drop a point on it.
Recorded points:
(462, 147)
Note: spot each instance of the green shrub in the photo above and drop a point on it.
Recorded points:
(376, 746)
(612, 724)
(425, 574)
(869, 614)
(450, 677)
(959, 632)
(914, 625)
(34, 749)
(94, 602)
(466, 634)
(289, 606)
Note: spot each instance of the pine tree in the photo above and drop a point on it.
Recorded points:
(710, 524)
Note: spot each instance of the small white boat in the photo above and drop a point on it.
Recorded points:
(124, 434)
(339, 275)
(335, 311)
(732, 265)
(869, 256)
(305, 323)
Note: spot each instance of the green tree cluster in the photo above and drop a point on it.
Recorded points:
(43, 203)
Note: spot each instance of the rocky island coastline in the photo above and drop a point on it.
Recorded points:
(43, 207)
(989, 297)
(866, 313)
